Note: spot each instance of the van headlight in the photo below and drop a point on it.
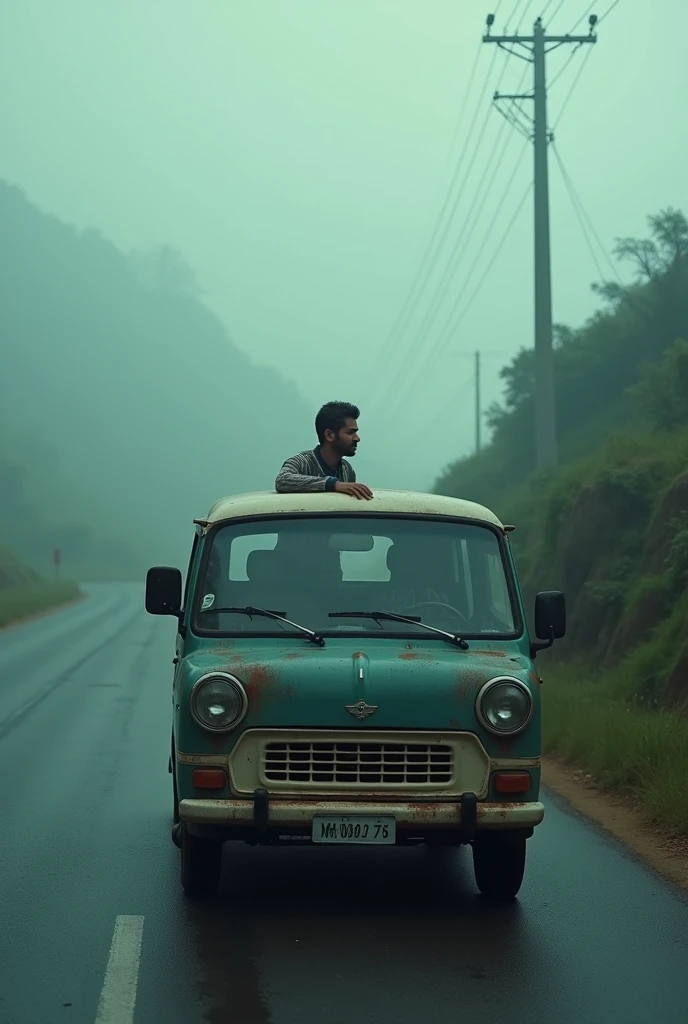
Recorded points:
(218, 702)
(504, 706)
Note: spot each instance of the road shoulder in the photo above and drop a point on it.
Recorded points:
(666, 854)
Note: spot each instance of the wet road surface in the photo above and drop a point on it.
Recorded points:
(311, 936)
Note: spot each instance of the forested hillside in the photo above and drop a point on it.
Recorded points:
(125, 408)
(610, 527)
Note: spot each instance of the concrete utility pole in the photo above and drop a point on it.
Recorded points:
(534, 50)
(478, 414)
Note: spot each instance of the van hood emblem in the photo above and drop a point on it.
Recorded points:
(361, 710)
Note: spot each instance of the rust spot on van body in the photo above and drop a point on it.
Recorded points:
(219, 742)
(261, 682)
(502, 807)
(425, 813)
(224, 650)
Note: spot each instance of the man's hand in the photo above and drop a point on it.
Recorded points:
(359, 491)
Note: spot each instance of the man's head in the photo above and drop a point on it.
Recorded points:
(337, 428)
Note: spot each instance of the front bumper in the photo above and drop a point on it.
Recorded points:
(424, 815)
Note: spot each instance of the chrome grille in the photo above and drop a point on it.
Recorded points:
(359, 763)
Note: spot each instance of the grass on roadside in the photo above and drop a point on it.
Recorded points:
(638, 752)
(18, 603)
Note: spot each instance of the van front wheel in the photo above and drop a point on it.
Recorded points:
(499, 862)
(201, 864)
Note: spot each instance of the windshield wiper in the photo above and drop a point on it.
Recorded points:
(249, 610)
(415, 620)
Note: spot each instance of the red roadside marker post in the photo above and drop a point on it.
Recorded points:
(57, 558)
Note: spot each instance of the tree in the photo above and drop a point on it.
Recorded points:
(662, 391)
(664, 251)
(596, 365)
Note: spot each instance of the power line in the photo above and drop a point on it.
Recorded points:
(562, 70)
(457, 198)
(436, 256)
(628, 296)
(561, 4)
(577, 211)
(441, 288)
(442, 343)
(423, 273)
(413, 349)
(571, 91)
(609, 11)
(523, 15)
(514, 120)
(494, 163)
(456, 254)
(462, 111)
(587, 56)
(516, 7)
(577, 200)
(583, 17)
(462, 239)
(450, 327)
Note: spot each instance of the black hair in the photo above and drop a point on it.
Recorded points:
(333, 416)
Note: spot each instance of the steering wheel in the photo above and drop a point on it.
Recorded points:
(438, 604)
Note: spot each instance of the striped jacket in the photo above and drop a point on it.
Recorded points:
(308, 471)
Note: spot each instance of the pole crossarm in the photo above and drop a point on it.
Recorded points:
(530, 40)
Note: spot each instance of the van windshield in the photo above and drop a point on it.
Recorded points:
(451, 575)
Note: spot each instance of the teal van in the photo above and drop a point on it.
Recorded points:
(354, 672)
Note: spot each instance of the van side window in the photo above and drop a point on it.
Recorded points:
(499, 594)
(242, 547)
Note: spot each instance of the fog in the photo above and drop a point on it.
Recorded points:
(213, 213)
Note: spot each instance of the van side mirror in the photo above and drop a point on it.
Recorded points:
(550, 619)
(163, 590)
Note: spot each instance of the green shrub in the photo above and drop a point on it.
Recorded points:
(639, 752)
(22, 602)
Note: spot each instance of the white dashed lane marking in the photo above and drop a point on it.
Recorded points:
(118, 996)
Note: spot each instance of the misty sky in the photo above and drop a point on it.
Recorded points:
(297, 152)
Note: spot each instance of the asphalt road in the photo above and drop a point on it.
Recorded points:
(315, 936)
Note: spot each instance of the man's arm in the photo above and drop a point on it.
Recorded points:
(293, 478)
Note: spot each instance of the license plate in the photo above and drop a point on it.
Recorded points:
(354, 828)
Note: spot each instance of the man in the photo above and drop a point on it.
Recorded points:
(325, 468)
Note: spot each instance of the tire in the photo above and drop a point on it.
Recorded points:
(499, 863)
(201, 864)
(175, 797)
(176, 822)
